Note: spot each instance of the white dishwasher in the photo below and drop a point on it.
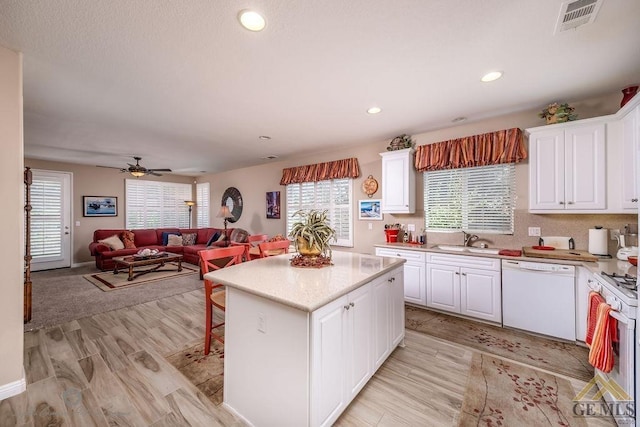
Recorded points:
(539, 297)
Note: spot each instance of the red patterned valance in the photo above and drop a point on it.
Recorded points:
(345, 168)
(503, 146)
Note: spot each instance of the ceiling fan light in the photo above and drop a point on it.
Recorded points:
(137, 174)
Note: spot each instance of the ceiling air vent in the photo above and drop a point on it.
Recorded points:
(576, 13)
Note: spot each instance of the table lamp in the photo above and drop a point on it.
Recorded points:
(225, 213)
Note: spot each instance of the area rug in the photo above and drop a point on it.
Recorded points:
(556, 356)
(503, 393)
(203, 371)
(107, 281)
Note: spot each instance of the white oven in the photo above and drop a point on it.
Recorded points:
(623, 372)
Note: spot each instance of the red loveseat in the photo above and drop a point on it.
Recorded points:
(152, 239)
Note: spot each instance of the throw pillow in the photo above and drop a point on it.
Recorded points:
(127, 239)
(189, 239)
(214, 238)
(165, 236)
(221, 237)
(113, 242)
(239, 235)
(174, 240)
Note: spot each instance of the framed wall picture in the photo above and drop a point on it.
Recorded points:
(370, 210)
(273, 204)
(99, 206)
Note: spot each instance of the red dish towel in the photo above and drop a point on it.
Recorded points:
(595, 299)
(510, 252)
(605, 334)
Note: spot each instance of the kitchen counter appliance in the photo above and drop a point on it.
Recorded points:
(539, 297)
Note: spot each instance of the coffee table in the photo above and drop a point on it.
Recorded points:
(156, 261)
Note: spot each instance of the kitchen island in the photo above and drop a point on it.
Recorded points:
(301, 343)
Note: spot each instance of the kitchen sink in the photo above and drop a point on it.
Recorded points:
(456, 248)
(484, 250)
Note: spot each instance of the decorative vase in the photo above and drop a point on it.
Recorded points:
(305, 250)
(628, 93)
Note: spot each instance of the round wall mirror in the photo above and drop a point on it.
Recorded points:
(232, 199)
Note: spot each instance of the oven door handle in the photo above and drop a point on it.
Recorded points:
(628, 323)
(594, 286)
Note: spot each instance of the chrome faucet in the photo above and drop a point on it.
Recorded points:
(468, 238)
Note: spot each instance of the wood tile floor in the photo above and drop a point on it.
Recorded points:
(109, 370)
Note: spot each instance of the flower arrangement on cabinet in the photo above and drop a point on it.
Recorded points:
(558, 113)
(401, 142)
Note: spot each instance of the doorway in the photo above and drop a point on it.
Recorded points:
(50, 220)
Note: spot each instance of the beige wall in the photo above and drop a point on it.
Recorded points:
(95, 181)
(12, 224)
(255, 181)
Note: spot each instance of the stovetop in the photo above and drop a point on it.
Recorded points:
(624, 286)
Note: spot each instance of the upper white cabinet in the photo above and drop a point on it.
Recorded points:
(398, 181)
(567, 167)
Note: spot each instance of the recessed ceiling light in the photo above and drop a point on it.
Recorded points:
(493, 75)
(374, 110)
(251, 20)
(459, 119)
(264, 137)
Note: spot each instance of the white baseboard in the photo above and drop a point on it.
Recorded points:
(13, 388)
(82, 264)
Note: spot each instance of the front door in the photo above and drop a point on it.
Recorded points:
(50, 220)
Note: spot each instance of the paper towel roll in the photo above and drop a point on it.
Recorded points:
(598, 241)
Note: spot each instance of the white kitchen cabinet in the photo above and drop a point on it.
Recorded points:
(629, 185)
(567, 168)
(389, 315)
(414, 273)
(351, 338)
(465, 285)
(398, 182)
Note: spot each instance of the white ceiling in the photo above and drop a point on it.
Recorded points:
(182, 85)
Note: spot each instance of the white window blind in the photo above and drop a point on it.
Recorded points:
(333, 196)
(202, 204)
(479, 200)
(153, 204)
(46, 217)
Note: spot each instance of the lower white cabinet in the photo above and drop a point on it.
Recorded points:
(351, 337)
(583, 278)
(414, 273)
(465, 285)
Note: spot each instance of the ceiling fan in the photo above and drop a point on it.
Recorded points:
(137, 170)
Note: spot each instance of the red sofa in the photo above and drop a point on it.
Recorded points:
(152, 239)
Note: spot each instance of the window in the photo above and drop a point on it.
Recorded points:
(153, 204)
(202, 204)
(333, 196)
(479, 200)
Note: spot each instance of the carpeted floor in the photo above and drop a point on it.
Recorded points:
(63, 295)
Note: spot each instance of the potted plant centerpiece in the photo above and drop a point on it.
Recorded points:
(311, 236)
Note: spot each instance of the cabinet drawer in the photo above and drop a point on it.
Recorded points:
(482, 263)
(416, 256)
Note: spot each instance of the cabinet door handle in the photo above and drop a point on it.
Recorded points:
(457, 273)
(346, 307)
(351, 304)
(562, 203)
(569, 203)
(634, 200)
(464, 274)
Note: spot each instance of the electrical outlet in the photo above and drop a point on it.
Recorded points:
(534, 231)
(614, 234)
(262, 323)
(411, 227)
(370, 225)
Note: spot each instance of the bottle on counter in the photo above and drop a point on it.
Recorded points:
(422, 239)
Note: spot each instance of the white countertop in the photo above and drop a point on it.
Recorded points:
(306, 289)
(607, 265)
